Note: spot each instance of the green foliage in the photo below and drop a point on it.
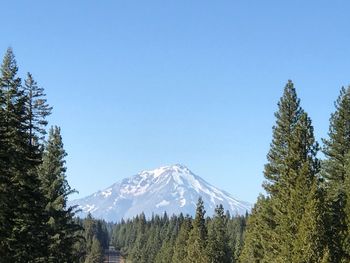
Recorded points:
(61, 228)
(259, 225)
(37, 111)
(288, 227)
(172, 240)
(24, 201)
(288, 114)
(22, 216)
(346, 233)
(95, 240)
(180, 248)
(218, 247)
(96, 252)
(235, 229)
(334, 170)
(197, 241)
(310, 243)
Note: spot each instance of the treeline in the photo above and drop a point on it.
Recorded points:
(35, 223)
(305, 214)
(181, 238)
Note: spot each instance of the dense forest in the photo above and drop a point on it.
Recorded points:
(181, 238)
(304, 215)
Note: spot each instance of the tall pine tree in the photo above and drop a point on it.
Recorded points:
(9, 94)
(291, 174)
(37, 111)
(217, 247)
(180, 249)
(62, 230)
(24, 238)
(197, 241)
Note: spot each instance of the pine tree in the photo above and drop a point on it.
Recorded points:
(346, 233)
(95, 240)
(297, 175)
(335, 149)
(288, 114)
(23, 240)
(61, 227)
(217, 248)
(9, 92)
(180, 249)
(167, 243)
(196, 245)
(8, 81)
(291, 173)
(298, 181)
(138, 252)
(237, 235)
(165, 254)
(37, 111)
(259, 225)
(96, 253)
(310, 238)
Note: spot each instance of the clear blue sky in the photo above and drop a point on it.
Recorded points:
(140, 84)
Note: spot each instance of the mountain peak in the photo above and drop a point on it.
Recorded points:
(173, 188)
(180, 168)
(166, 170)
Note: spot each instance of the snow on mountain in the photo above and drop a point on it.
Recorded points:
(173, 189)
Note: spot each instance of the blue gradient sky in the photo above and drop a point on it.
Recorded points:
(140, 84)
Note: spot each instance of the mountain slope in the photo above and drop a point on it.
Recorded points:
(173, 189)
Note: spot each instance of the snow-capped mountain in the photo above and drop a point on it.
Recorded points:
(173, 189)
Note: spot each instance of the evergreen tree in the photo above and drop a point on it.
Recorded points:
(259, 225)
(237, 235)
(196, 245)
(23, 240)
(335, 149)
(180, 249)
(310, 238)
(61, 227)
(165, 254)
(96, 253)
(288, 114)
(138, 253)
(9, 93)
(298, 180)
(297, 167)
(163, 240)
(37, 111)
(94, 241)
(346, 233)
(217, 248)
(291, 174)
(154, 245)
